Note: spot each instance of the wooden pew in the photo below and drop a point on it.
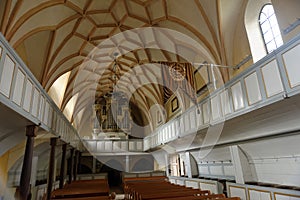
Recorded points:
(143, 189)
(201, 198)
(150, 188)
(88, 198)
(83, 189)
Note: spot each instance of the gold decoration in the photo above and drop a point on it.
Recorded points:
(177, 72)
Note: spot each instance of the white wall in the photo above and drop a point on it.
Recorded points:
(214, 162)
(275, 160)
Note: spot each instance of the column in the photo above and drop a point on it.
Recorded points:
(71, 165)
(51, 167)
(79, 162)
(241, 165)
(76, 165)
(27, 162)
(167, 168)
(94, 165)
(127, 163)
(62, 166)
(34, 170)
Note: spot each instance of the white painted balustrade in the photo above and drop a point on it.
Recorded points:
(21, 91)
(270, 80)
(253, 192)
(130, 145)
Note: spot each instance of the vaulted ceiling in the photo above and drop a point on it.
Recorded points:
(86, 37)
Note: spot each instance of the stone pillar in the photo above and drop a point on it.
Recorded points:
(27, 163)
(51, 167)
(62, 166)
(71, 165)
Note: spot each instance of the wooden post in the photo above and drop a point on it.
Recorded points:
(27, 162)
(51, 167)
(76, 165)
(71, 165)
(62, 166)
(79, 162)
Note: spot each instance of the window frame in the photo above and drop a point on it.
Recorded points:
(270, 29)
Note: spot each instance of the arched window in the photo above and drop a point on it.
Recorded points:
(269, 28)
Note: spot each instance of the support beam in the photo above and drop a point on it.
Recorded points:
(34, 170)
(127, 163)
(62, 166)
(167, 160)
(94, 165)
(76, 165)
(79, 162)
(27, 163)
(53, 142)
(71, 165)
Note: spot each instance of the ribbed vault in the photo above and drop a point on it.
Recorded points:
(54, 37)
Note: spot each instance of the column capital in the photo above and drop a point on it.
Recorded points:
(31, 130)
(53, 141)
(64, 146)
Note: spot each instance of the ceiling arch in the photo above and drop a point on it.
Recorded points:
(84, 36)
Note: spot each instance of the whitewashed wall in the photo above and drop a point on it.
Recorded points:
(275, 160)
(214, 163)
